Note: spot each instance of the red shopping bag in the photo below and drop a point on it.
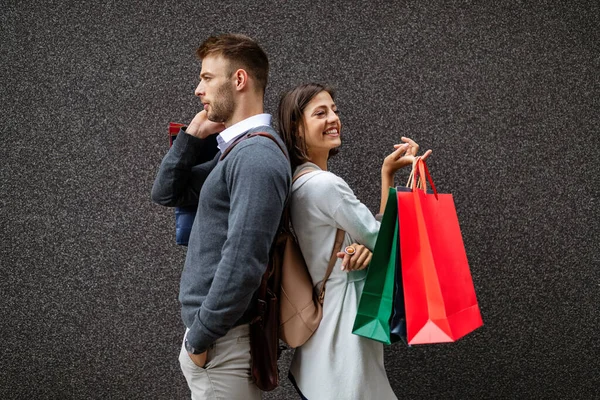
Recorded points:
(439, 296)
(174, 128)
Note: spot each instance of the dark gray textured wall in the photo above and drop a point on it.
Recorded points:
(506, 93)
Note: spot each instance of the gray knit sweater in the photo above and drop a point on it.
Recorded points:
(240, 203)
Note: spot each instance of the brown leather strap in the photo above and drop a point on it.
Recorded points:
(308, 169)
(337, 246)
(251, 135)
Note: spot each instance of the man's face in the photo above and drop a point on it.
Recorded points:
(216, 89)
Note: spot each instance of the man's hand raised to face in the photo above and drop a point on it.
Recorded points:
(202, 127)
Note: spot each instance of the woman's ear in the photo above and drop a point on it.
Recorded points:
(300, 138)
(299, 127)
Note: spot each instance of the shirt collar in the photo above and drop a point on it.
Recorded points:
(227, 137)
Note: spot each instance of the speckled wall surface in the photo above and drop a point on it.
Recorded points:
(506, 93)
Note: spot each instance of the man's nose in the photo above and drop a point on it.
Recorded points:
(199, 89)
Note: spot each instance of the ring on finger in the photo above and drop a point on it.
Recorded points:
(350, 250)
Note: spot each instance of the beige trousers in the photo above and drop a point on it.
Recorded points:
(226, 374)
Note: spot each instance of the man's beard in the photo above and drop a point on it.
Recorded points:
(221, 109)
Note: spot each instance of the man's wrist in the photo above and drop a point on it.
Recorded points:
(191, 349)
(194, 131)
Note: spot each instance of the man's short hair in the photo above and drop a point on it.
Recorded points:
(241, 52)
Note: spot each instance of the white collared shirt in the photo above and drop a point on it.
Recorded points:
(227, 137)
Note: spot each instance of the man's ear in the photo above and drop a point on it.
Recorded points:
(241, 79)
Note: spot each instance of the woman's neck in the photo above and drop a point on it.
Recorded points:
(319, 160)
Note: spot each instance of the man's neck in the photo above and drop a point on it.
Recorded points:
(247, 107)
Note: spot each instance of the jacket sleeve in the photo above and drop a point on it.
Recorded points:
(258, 182)
(184, 170)
(345, 210)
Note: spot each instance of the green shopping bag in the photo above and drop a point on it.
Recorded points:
(376, 302)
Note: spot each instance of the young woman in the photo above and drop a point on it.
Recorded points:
(333, 363)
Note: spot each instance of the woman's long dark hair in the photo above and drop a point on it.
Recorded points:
(290, 119)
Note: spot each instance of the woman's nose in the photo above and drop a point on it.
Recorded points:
(332, 117)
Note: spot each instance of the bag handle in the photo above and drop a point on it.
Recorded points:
(411, 178)
(421, 172)
(337, 244)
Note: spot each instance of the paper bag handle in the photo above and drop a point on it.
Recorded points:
(421, 173)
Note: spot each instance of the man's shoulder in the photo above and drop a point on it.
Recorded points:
(259, 155)
(258, 132)
(260, 145)
(263, 128)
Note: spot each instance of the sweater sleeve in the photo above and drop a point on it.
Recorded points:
(184, 170)
(258, 180)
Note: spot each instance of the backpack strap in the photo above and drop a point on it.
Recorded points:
(337, 244)
(251, 135)
(304, 171)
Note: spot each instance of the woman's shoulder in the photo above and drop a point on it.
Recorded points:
(317, 179)
(321, 185)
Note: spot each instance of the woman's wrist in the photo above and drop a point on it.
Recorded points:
(386, 174)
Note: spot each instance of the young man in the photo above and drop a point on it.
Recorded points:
(240, 200)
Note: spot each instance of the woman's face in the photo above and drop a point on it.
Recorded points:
(322, 127)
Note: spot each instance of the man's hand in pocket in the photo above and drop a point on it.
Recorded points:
(198, 359)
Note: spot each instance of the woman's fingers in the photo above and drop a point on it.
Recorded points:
(352, 260)
(359, 260)
(364, 260)
(400, 150)
(408, 140)
(367, 261)
(345, 259)
(413, 147)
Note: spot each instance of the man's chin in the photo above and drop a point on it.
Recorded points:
(215, 118)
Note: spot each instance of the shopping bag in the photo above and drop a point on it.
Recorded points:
(174, 128)
(375, 306)
(398, 317)
(439, 296)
